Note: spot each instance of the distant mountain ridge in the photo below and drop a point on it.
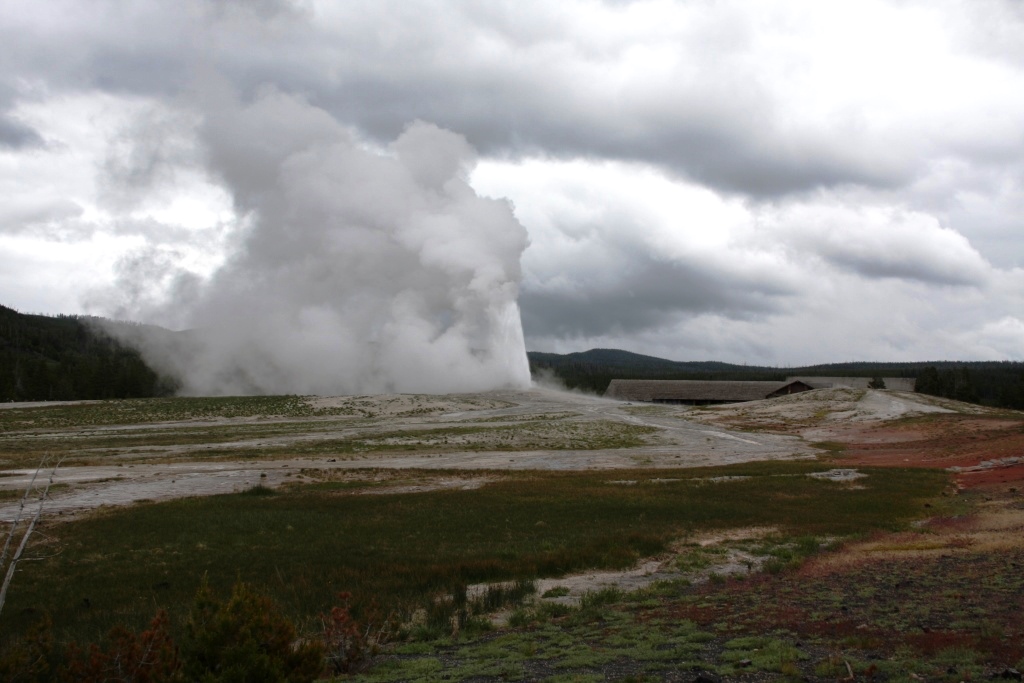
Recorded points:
(589, 369)
(56, 358)
(627, 359)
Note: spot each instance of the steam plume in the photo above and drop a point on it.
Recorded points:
(359, 271)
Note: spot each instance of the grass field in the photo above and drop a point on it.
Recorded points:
(305, 544)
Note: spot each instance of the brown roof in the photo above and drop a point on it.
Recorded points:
(689, 390)
(892, 383)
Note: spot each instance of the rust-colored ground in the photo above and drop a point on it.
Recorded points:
(988, 450)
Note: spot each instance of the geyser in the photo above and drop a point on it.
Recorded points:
(357, 271)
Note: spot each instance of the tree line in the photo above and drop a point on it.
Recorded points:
(60, 358)
(993, 384)
(997, 384)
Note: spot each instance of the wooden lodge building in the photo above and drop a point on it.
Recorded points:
(699, 393)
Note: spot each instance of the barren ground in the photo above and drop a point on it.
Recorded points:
(954, 582)
(117, 464)
(357, 437)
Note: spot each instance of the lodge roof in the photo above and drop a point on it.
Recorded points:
(691, 390)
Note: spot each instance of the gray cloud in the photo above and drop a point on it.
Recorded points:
(148, 155)
(513, 84)
(16, 135)
(643, 293)
(31, 215)
(894, 167)
(877, 242)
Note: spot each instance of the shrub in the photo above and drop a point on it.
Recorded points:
(259, 490)
(147, 657)
(245, 639)
(27, 660)
(344, 641)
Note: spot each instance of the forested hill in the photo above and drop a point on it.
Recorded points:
(44, 358)
(994, 383)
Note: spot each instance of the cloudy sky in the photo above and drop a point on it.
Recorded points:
(777, 182)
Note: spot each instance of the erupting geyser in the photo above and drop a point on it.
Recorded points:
(358, 271)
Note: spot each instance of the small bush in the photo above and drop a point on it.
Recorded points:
(499, 595)
(605, 596)
(245, 639)
(521, 618)
(259, 490)
(344, 640)
(147, 657)
(27, 660)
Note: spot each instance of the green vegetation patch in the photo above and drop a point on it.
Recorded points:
(150, 410)
(540, 434)
(141, 411)
(283, 435)
(304, 545)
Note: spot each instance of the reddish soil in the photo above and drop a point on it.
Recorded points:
(982, 446)
(965, 600)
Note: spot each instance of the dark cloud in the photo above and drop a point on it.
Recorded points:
(746, 154)
(16, 135)
(644, 293)
(511, 88)
(877, 242)
(907, 267)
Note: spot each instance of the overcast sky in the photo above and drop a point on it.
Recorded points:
(776, 182)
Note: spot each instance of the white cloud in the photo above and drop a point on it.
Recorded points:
(622, 255)
(1001, 339)
(875, 241)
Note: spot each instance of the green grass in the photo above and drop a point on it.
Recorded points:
(150, 410)
(304, 544)
(694, 558)
(59, 415)
(154, 430)
(591, 435)
(833, 448)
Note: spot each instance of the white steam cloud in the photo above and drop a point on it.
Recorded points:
(358, 271)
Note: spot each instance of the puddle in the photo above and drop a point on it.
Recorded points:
(838, 475)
